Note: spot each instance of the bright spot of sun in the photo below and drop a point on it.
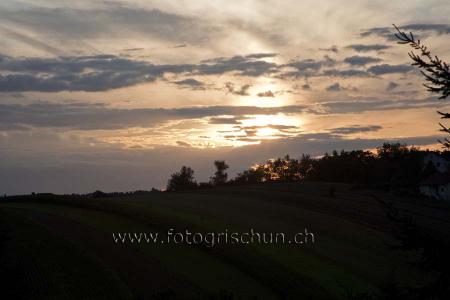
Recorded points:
(266, 132)
(278, 119)
(246, 130)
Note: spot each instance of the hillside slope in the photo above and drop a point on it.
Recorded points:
(61, 247)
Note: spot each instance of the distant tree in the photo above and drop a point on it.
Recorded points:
(287, 169)
(435, 71)
(305, 166)
(283, 169)
(399, 165)
(205, 185)
(292, 169)
(220, 176)
(99, 194)
(255, 174)
(183, 180)
(392, 151)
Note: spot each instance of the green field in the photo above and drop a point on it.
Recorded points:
(61, 247)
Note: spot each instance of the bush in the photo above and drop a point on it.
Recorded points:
(183, 180)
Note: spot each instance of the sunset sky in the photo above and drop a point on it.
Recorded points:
(116, 95)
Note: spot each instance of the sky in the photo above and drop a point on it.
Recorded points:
(117, 95)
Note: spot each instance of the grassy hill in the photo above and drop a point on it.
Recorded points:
(61, 247)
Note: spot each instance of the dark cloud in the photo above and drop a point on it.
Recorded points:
(251, 131)
(307, 67)
(317, 68)
(390, 69)
(105, 72)
(335, 87)
(391, 86)
(183, 144)
(232, 137)
(345, 73)
(266, 94)
(112, 21)
(133, 49)
(423, 30)
(190, 83)
(241, 65)
(100, 117)
(354, 129)
(261, 55)
(83, 73)
(368, 47)
(226, 120)
(407, 93)
(344, 107)
(242, 91)
(436, 28)
(333, 49)
(311, 64)
(361, 60)
(246, 139)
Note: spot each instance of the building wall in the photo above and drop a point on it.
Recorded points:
(429, 191)
(440, 163)
(444, 192)
(441, 192)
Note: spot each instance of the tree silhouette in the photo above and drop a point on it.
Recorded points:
(305, 165)
(392, 166)
(435, 71)
(393, 151)
(250, 176)
(183, 180)
(220, 176)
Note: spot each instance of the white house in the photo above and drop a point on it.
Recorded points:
(436, 185)
(440, 163)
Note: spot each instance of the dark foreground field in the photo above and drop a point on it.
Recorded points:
(62, 247)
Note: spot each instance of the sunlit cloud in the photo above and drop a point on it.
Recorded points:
(93, 78)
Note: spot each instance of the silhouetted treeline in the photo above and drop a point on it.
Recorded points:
(389, 166)
(100, 194)
(185, 180)
(96, 194)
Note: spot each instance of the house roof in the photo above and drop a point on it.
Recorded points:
(436, 179)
